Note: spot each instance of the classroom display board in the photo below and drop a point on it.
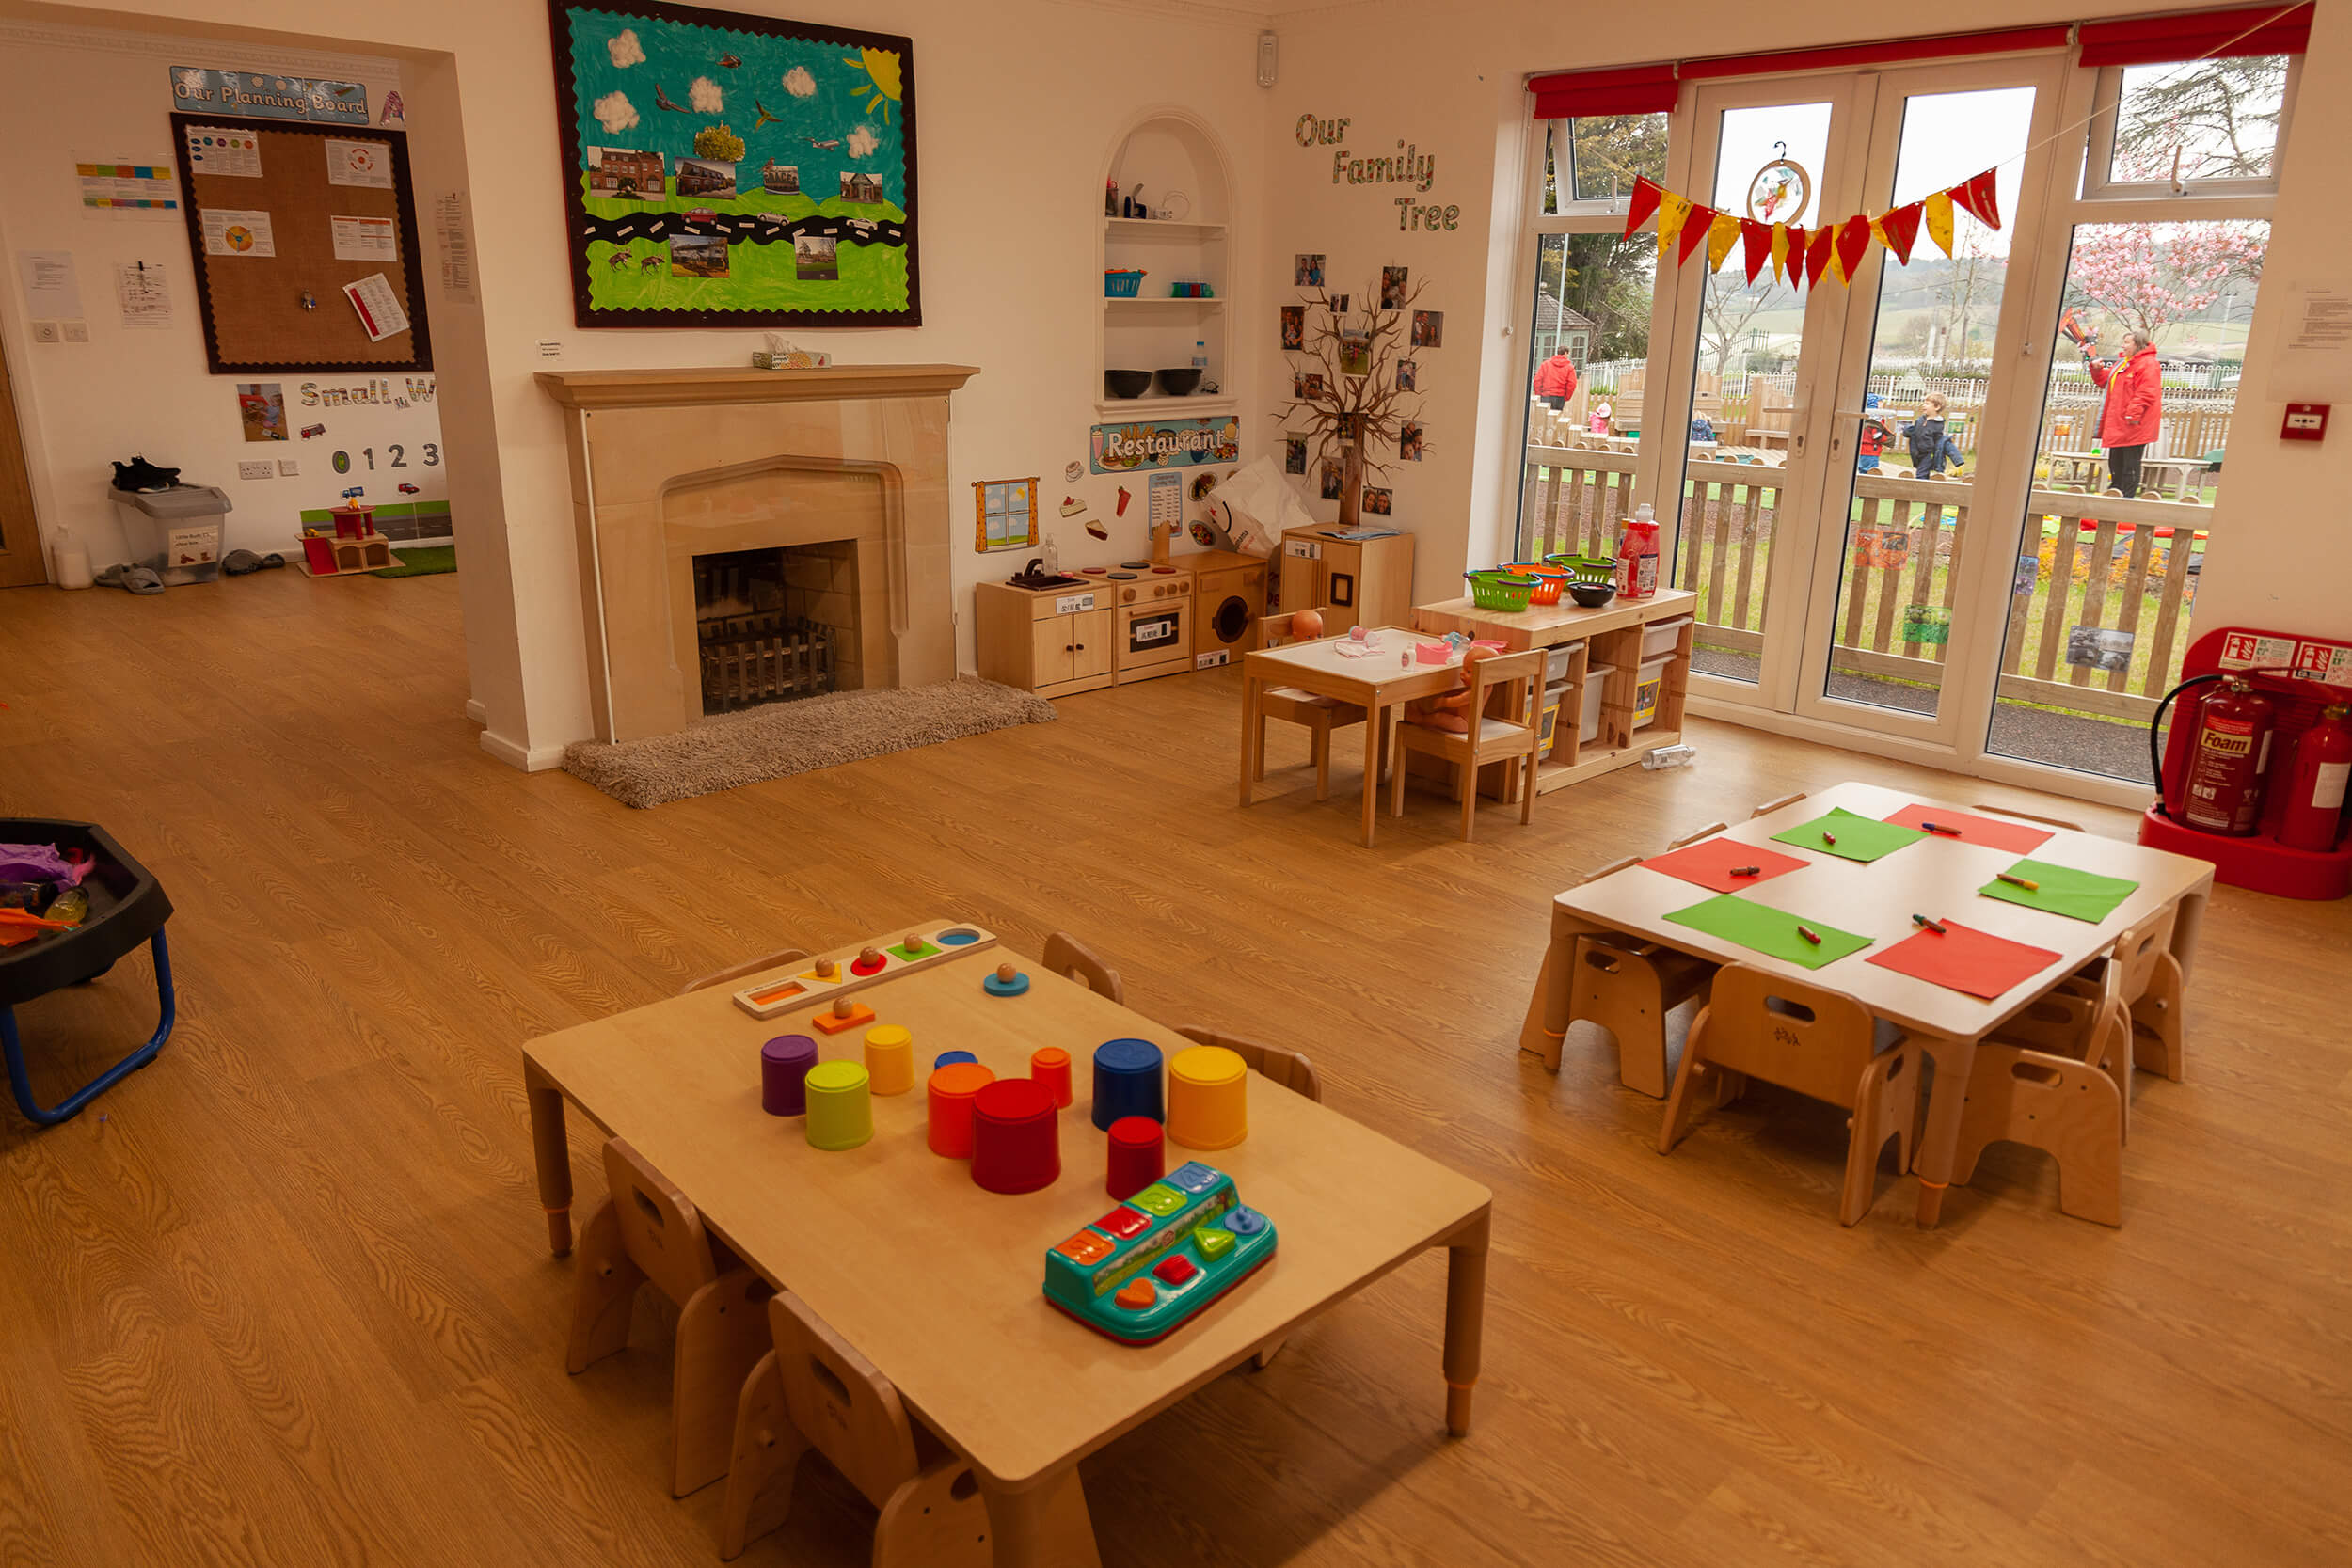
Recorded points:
(731, 170)
(305, 246)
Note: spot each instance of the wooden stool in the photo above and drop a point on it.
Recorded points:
(814, 1390)
(1771, 806)
(1318, 716)
(1628, 986)
(2066, 1108)
(1687, 839)
(1068, 957)
(647, 1230)
(1815, 1041)
(2143, 976)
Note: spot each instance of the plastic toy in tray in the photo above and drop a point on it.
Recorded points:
(1153, 1264)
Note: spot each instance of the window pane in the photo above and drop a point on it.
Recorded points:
(2114, 540)
(2219, 117)
(1588, 348)
(1613, 150)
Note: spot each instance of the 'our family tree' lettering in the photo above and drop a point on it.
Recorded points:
(1406, 165)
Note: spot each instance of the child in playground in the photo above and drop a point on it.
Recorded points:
(1931, 447)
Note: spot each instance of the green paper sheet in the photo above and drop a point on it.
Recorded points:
(1859, 838)
(1769, 931)
(2076, 894)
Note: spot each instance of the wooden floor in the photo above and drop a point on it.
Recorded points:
(284, 1297)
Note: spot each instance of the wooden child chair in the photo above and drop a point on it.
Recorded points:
(1319, 715)
(1818, 1042)
(813, 1389)
(1689, 839)
(2065, 1107)
(1513, 741)
(2142, 975)
(1065, 955)
(745, 970)
(2080, 1020)
(2028, 816)
(1628, 986)
(647, 1230)
(1771, 806)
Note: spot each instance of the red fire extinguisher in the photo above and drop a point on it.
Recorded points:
(2314, 785)
(2221, 788)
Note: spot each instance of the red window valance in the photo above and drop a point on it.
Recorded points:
(2194, 35)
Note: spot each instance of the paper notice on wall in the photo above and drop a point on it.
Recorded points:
(360, 163)
(222, 149)
(126, 188)
(381, 313)
(2314, 358)
(457, 238)
(364, 239)
(51, 292)
(238, 232)
(143, 294)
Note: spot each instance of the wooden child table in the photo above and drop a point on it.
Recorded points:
(1935, 877)
(939, 1283)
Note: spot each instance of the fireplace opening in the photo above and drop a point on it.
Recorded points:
(772, 626)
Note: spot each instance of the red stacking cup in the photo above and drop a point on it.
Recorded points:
(1134, 1156)
(1050, 1066)
(1016, 1142)
(952, 1089)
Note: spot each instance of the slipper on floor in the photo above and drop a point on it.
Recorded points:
(272, 562)
(142, 580)
(237, 563)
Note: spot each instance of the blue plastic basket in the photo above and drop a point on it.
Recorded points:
(1123, 284)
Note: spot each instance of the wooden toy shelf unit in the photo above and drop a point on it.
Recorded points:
(1182, 167)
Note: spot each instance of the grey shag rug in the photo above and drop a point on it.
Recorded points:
(783, 738)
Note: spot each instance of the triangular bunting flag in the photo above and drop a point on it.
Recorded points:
(1695, 230)
(1642, 205)
(1671, 213)
(1981, 196)
(1853, 243)
(1789, 253)
(1757, 242)
(1898, 231)
(1939, 216)
(1720, 235)
(1817, 254)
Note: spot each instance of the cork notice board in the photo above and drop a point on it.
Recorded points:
(254, 319)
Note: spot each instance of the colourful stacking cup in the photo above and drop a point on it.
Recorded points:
(946, 1057)
(890, 1058)
(1208, 1098)
(1126, 1081)
(840, 1105)
(1050, 1066)
(1135, 1161)
(1016, 1141)
(951, 1092)
(783, 1063)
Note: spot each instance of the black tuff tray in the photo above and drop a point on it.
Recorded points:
(127, 905)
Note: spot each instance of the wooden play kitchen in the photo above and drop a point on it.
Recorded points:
(871, 1231)
(1618, 679)
(1059, 634)
(1944, 922)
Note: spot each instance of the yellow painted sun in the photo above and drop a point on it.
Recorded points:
(881, 75)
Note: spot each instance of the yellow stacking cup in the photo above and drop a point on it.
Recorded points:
(841, 1109)
(1208, 1098)
(890, 1058)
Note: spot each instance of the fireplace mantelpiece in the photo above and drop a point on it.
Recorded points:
(640, 438)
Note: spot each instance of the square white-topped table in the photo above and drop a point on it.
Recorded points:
(1375, 682)
(1936, 876)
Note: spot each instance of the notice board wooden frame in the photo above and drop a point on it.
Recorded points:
(254, 323)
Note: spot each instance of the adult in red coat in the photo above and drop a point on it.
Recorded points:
(2132, 415)
(1555, 380)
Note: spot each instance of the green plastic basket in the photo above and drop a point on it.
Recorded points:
(1493, 589)
(1593, 570)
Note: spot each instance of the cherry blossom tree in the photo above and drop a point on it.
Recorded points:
(2150, 275)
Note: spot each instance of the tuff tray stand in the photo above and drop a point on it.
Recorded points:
(127, 907)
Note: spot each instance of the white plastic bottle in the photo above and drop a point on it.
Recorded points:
(1200, 356)
(72, 561)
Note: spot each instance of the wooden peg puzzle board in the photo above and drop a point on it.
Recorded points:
(798, 987)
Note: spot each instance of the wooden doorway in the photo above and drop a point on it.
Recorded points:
(20, 564)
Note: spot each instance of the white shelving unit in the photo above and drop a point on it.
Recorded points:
(1168, 151)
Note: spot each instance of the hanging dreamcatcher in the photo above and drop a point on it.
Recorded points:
(1780, 191)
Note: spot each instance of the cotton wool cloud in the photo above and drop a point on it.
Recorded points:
(615, 113)
(862, 141)
(704, 97)
(799, 83)
(625, 49)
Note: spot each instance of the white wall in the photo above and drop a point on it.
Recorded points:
(103, 93)
(2281, 555)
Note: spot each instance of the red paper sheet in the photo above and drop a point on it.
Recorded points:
(1964, 960)
(2018, 838)
(1709, 863)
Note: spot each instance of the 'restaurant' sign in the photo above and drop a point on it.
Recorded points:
(1166, 444)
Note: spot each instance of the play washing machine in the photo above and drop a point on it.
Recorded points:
(1229, 596)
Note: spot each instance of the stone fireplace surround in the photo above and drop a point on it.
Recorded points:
(667, 464)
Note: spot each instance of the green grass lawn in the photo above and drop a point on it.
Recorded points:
(759, 276)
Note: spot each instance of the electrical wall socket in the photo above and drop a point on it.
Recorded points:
(77, 332)
(254, 470)
(44, 332)
(288, 467)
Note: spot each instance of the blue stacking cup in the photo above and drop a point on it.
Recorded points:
(1126, 1082)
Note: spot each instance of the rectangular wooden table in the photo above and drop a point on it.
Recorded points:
(1935, 877)
(939, 1283)
(2082, 468)
(1376, 682)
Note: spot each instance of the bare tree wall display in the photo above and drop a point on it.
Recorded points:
(1352, 409)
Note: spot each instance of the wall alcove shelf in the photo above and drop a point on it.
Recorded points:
(1168, 151)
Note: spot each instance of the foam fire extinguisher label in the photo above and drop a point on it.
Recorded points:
(2327, 789)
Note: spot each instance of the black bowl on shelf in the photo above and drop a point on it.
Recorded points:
(1126, 384)
(1180, 383)
(1592, 595)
